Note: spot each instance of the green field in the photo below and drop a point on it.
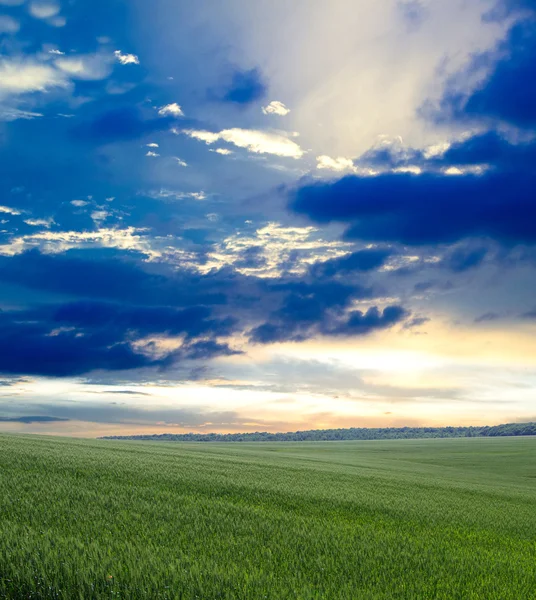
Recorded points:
(452, 518)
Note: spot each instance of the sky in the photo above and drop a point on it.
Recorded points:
(266, 216)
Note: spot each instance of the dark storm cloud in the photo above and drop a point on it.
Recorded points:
(76, 338)
(488, 148)
(362, 323)
(193, 321)
(509, 93)
(124, 123)
(425, 209)
(35, 349)
(360, 261)
(117, 303)
(321, 308)
(110, 275)
(119, 413)
(244, 88)
(462, 259)
(434, 208)
(354, 323)
(32, 419)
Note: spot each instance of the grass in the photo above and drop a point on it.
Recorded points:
(452, 518)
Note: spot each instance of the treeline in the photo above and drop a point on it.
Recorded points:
(332, 435)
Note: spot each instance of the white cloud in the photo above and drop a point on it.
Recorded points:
(40, 222)
(57, 21)
(436, 150)
(116, 89)
(151, 153)
(276, 245)
(126, 59)
(173, 110)
(204, 136)
(53, 242)
(99, 215)
(164, 194)
(259, 142)
(10, 211)
(465, 170)
(408, 169)
(342, 164)
(222, 151)
(44, 10)
(369, 77)
(56, 51)
(12, 114)
(79, 203)
(275, 108)
(334, 164)
(23, 76)
(8, 24)
(180, 162)
(90, 67)
(152, 145)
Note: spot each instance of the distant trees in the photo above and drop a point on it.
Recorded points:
(353, 433)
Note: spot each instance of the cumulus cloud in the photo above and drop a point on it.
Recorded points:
(334, 164)
(86, 66)
(40, 222)
(253, 140)
(57, 21)
(10, 211)
(126, 59)
(204, 136)
(222, 151)
(173, 110)
(8, 24)
(152, 154)
(44, 10)
(180, 162)
(275, 108)
(21, 76)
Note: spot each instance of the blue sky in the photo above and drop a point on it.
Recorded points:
(264, 215)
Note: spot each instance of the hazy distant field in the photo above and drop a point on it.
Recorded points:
(451, 518)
